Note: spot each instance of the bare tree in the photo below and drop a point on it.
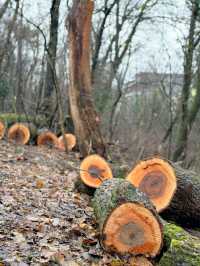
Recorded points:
(181, 143)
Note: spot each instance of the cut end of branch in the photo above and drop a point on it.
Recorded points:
(2, 130)
(19, 134)
(157, 179)
(94, 170)
(71, 142)
(47, 138)
(133, 229)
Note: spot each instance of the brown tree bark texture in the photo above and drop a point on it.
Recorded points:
(184, 207)
(82, 108)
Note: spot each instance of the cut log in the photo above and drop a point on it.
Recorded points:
(71, 142)
(127, 219)
(140, 261)
(2, 130)
(80, 187)
(180, 247)
(94, 170)
(47, 138)
(173, 191)
(19, 133)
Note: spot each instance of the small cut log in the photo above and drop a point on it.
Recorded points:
(19, 133)
(94, 170)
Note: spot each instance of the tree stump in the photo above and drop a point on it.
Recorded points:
(173, 190)
(128, 221)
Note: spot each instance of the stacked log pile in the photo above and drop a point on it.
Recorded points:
(130, 212)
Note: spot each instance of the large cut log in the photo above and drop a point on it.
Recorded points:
(19, 133)
(180, 248)
(127, 219)
(175, 192)
(94, 170)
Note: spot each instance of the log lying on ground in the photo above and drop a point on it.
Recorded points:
(19, 133)
(47, 138)
(71, 142)
(2, 130)
(127, 219)
(94, 170)
(173, 191)
(180, 248)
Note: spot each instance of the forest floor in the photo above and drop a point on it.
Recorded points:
(43, 220)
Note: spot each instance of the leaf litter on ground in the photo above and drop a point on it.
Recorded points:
(43, 220)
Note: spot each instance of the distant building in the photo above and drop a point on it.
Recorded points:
(147, 83)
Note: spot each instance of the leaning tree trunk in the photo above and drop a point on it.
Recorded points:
(173, 190)
(83, 112)
(180, 248)
(128, 221)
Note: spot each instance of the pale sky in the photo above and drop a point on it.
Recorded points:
(159, 46)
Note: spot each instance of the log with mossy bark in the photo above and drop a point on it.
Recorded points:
(127, 219)
(173, 190)
(180, 248)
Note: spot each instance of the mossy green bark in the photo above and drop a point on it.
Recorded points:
(114, 192)
(182, 249)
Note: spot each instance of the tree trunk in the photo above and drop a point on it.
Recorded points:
(52, 52)
(128, 221)
(83, 112)
(181, 145)
(180, 247)
(173, 190)
(19, 74)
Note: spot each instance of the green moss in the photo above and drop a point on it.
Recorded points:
(182, 248)
(11, 118)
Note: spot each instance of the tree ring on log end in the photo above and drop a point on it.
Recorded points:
(157, 179)
(153, 184)
(94, 170)
(47, 138)
(133, 229)
(131, 233)
(19, 134)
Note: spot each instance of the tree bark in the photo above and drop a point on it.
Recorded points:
(180, 248)
(184, 207)
(127, 219)
(82, 108)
